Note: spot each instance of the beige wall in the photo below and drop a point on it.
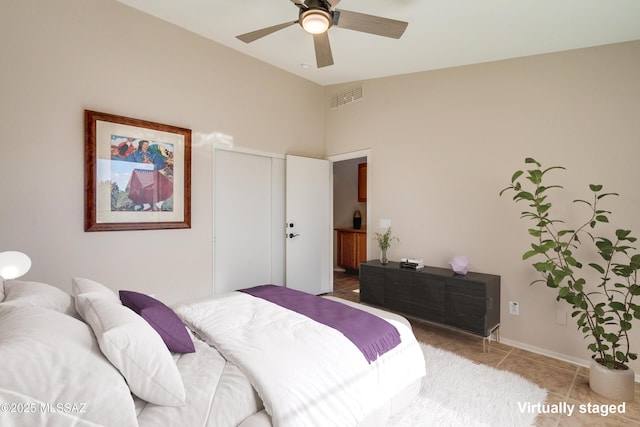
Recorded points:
(58, 58)
(444, 143)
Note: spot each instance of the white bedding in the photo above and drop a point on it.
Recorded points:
(51, 357)
(218, 394)
(251, 333)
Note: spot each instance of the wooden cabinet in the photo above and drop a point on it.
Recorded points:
(352, 247)
(362, 182)
(470, 302)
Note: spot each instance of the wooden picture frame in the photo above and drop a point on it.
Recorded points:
(137, 174)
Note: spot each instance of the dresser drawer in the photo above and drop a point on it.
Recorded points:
(466, 287)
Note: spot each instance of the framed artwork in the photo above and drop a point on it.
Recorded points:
(137, 174)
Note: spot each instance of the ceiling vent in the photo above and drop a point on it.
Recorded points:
(346, 98)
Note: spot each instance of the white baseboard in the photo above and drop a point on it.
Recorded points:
(553, 354)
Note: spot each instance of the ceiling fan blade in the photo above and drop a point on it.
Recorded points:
(369, 23)
(324, 57)
(299, 3)
(255, 35)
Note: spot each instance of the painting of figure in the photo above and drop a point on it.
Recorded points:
(141, 174)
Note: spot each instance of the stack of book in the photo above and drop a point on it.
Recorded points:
(413, 264)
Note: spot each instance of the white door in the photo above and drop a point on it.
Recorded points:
(248, 220)
(308, 228)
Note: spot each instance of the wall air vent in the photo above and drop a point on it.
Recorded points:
(346, 98)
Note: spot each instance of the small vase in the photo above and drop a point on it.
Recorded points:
(383, 257)
(615, 384)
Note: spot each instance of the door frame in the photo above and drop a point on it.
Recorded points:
(349, 156)
(332, 159)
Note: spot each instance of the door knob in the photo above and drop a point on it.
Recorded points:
(292, 235)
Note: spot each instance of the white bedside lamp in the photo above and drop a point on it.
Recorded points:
(13, 264)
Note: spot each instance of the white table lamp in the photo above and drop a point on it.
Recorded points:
(13, 264)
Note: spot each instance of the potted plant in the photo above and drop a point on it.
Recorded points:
(602, 301)
(384, 242)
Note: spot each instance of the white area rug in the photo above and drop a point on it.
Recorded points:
(458, 392)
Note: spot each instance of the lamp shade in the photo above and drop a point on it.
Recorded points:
(315, 21)
(14, 264)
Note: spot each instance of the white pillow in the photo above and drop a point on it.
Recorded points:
(51, 358)
(38, 294)
(81, 286)
(136, 349)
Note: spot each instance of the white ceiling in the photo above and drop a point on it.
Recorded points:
(441, 33)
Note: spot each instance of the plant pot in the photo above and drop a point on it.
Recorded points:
(615, 384)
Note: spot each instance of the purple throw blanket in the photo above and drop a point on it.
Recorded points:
(372, 335)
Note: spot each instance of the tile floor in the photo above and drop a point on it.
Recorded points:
(564, 381)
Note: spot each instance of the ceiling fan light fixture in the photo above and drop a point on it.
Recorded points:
(315, 21)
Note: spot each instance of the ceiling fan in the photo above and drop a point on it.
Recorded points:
(317, 16)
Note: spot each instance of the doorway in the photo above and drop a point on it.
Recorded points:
(262, 200)
(350, 200)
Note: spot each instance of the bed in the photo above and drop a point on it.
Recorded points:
(95, 357)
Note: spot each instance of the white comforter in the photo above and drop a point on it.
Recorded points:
(306, 373)
(218, 394)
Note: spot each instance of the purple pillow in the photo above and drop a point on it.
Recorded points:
(162, 319)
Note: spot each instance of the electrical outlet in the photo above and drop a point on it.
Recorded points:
(561, 318)
(514, 308)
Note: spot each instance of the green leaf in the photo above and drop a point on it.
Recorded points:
(535, 176)
(625, 326)
(595, 188)
(543, 208)
(578, 286)
(617, 306)
(621, 357)
(607, 194)
(543, 266)
(550, 169)
(516, 175)
(602, 218)
(597, 267)
(622, 234)
(572, 261)
(505, 189)
(531, 160)
(612, 338)
(529, 254)
(535, 232)
(523, 195)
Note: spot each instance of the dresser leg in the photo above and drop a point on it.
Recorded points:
(486, 341)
